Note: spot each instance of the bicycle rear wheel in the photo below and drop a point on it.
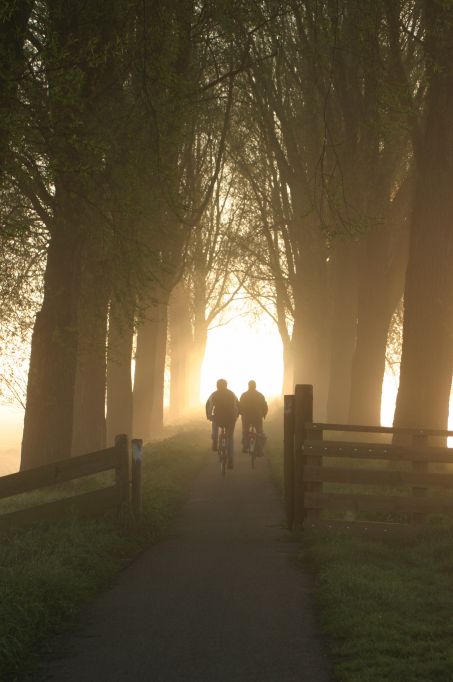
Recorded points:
(223, 461)
(223, 453)
(252, 449)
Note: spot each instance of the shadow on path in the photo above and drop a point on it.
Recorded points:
(220, 600)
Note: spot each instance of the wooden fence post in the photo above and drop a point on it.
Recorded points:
(122, 471)
(288, 456)
(303, 413)
(136, 477)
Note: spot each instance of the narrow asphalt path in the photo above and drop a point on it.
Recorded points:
(220, 600)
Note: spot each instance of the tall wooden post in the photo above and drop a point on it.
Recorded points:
(288, 457)
(303, 408)
(136, 477)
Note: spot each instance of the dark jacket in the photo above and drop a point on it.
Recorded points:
(253, 405)
(222, 407)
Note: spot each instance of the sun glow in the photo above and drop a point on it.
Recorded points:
(388, 400)
(243, 349)
(11, 423)
(247, 348)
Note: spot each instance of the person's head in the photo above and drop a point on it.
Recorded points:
(222, 384)
(252, 385)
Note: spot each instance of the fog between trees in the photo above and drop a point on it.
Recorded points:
(159, 159)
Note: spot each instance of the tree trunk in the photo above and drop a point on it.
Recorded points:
(181, 349)
(197, 358)
(119, 376)
(48, 421)
(200, 334)
(148, 394)
(312, 304)
(369, 366)
(427, 352)
(288, 368)
(160, 354)
(311, 338)
(89, 432)
(311, 356)
(343, 330)
(76, 41)
(380, 290)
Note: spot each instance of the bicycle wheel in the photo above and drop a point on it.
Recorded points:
(252, 448)
(223, 454)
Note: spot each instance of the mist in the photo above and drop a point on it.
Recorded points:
(226, 322)
(135, 227)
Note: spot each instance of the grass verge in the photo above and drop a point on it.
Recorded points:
(49, 571)
(273, 428)
(386, 605)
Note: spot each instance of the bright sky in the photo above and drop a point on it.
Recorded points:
(389, 390)
(11, 424)
(241, 350)
(247, 349)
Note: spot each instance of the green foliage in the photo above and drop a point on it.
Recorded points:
(47, 572)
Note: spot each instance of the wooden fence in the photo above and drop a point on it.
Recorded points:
(113, 496)
(362, 483)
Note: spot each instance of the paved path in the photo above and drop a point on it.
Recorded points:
(220, 600)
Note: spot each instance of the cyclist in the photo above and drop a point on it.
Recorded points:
(222, 409)
(253, 409)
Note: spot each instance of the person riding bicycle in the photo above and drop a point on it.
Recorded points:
(253, 409)
(222, 409)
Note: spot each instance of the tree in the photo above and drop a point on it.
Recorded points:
(283, 96)
(383, 126)
(210, 284)
(14, 18)
(89, 427)
(325, 106)
(119, 413)
(427, 350)
(77, 57)
(269, 252)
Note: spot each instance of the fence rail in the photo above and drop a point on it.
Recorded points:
(360, 428)
(320, 482)
(115, 496)
(354, 450)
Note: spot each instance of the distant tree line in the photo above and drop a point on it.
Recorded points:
(159, 158)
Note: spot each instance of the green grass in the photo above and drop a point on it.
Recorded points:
(386, 605)
(49, 571)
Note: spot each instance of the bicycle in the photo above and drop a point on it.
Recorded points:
(223, 450)
(251, 445)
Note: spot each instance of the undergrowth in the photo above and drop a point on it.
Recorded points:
(49, 571)
(386, 605)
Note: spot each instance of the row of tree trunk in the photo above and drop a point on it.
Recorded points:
(342, 311)
(80, 391)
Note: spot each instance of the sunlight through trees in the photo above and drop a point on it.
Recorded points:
(223, 188)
